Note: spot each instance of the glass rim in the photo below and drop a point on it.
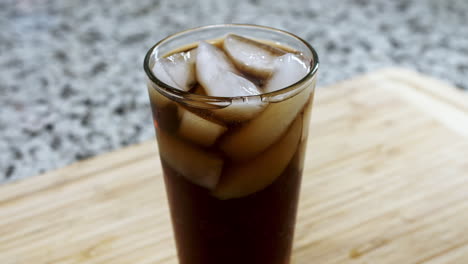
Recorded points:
(173, 92)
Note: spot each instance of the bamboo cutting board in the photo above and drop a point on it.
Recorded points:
(385, 181)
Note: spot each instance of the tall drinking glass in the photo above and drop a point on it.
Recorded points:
(232, 165)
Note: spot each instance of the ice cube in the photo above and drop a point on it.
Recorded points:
(181, 68)
(199, 130)
(196, 165)
(240, 110)
(256, 174)
(218, 76)
(177, 70)
(160, 72)
(261, 132)
(288, 69)
(251, 56)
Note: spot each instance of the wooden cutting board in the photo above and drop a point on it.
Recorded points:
(386, 181)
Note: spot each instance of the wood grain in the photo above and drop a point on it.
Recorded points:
(385, 181)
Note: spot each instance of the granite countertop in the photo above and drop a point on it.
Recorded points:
(72, 84)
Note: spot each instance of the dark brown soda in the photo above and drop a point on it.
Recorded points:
(254, 229)
(257, 229)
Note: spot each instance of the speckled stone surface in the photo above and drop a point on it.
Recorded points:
(71, 78)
